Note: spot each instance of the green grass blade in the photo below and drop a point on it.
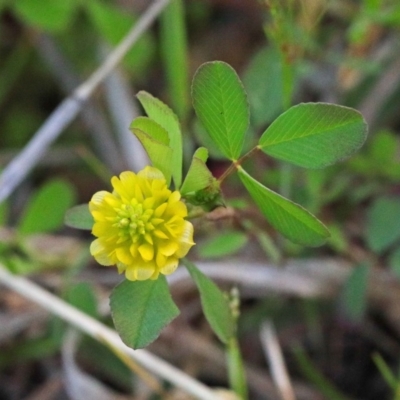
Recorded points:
(311, 372)
(174, 52)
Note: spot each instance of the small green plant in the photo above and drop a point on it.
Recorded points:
(143, 224)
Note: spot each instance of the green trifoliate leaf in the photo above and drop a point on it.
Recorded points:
(47, 207)
(164, 116)
(198, 176)
(159, 153)
(79, 217)
(290, 219)
(152, 128)
(220, 102)
(314, 135)
(141, 309)
(215, 305)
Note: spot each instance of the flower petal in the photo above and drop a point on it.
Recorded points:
(97, 198)
(160, 234)
(168, 248)
(170, 266)
(100, 253)
(160, 259)
(186, 240)
(146, 251)
(150, 173)
(160, 210)
(124, 255)
(140, 271)
(121, 267)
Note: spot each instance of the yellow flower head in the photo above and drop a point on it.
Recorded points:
(140, 226)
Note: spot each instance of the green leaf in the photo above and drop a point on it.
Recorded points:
(47, 207)
(354, 295)
(220, 102)
(113, 24)
(223, 244)
(164, 116)
(290, 219)
(383, 228)
(203, 139)
(79, 217)
(141, 309)
(198, 176)
(314, 135)
(160, 155)
(263, 83)
(215, 305)
(50, 15)
(152, 128)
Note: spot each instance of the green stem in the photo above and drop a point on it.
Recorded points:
(94, 164)
(309, 370)
(287, 80)
(236, 372)
(234, 166)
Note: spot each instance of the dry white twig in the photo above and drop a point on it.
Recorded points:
(63, 115)
(96, 124)
(273, 352)
(304, 278)
(123, 109)
(100, 332)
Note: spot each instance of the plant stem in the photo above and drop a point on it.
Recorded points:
(236, 163)
(314, 375)
(236, 372)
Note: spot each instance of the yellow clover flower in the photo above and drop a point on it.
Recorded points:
(140, 226)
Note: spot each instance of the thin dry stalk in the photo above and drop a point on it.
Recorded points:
(273, 352)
